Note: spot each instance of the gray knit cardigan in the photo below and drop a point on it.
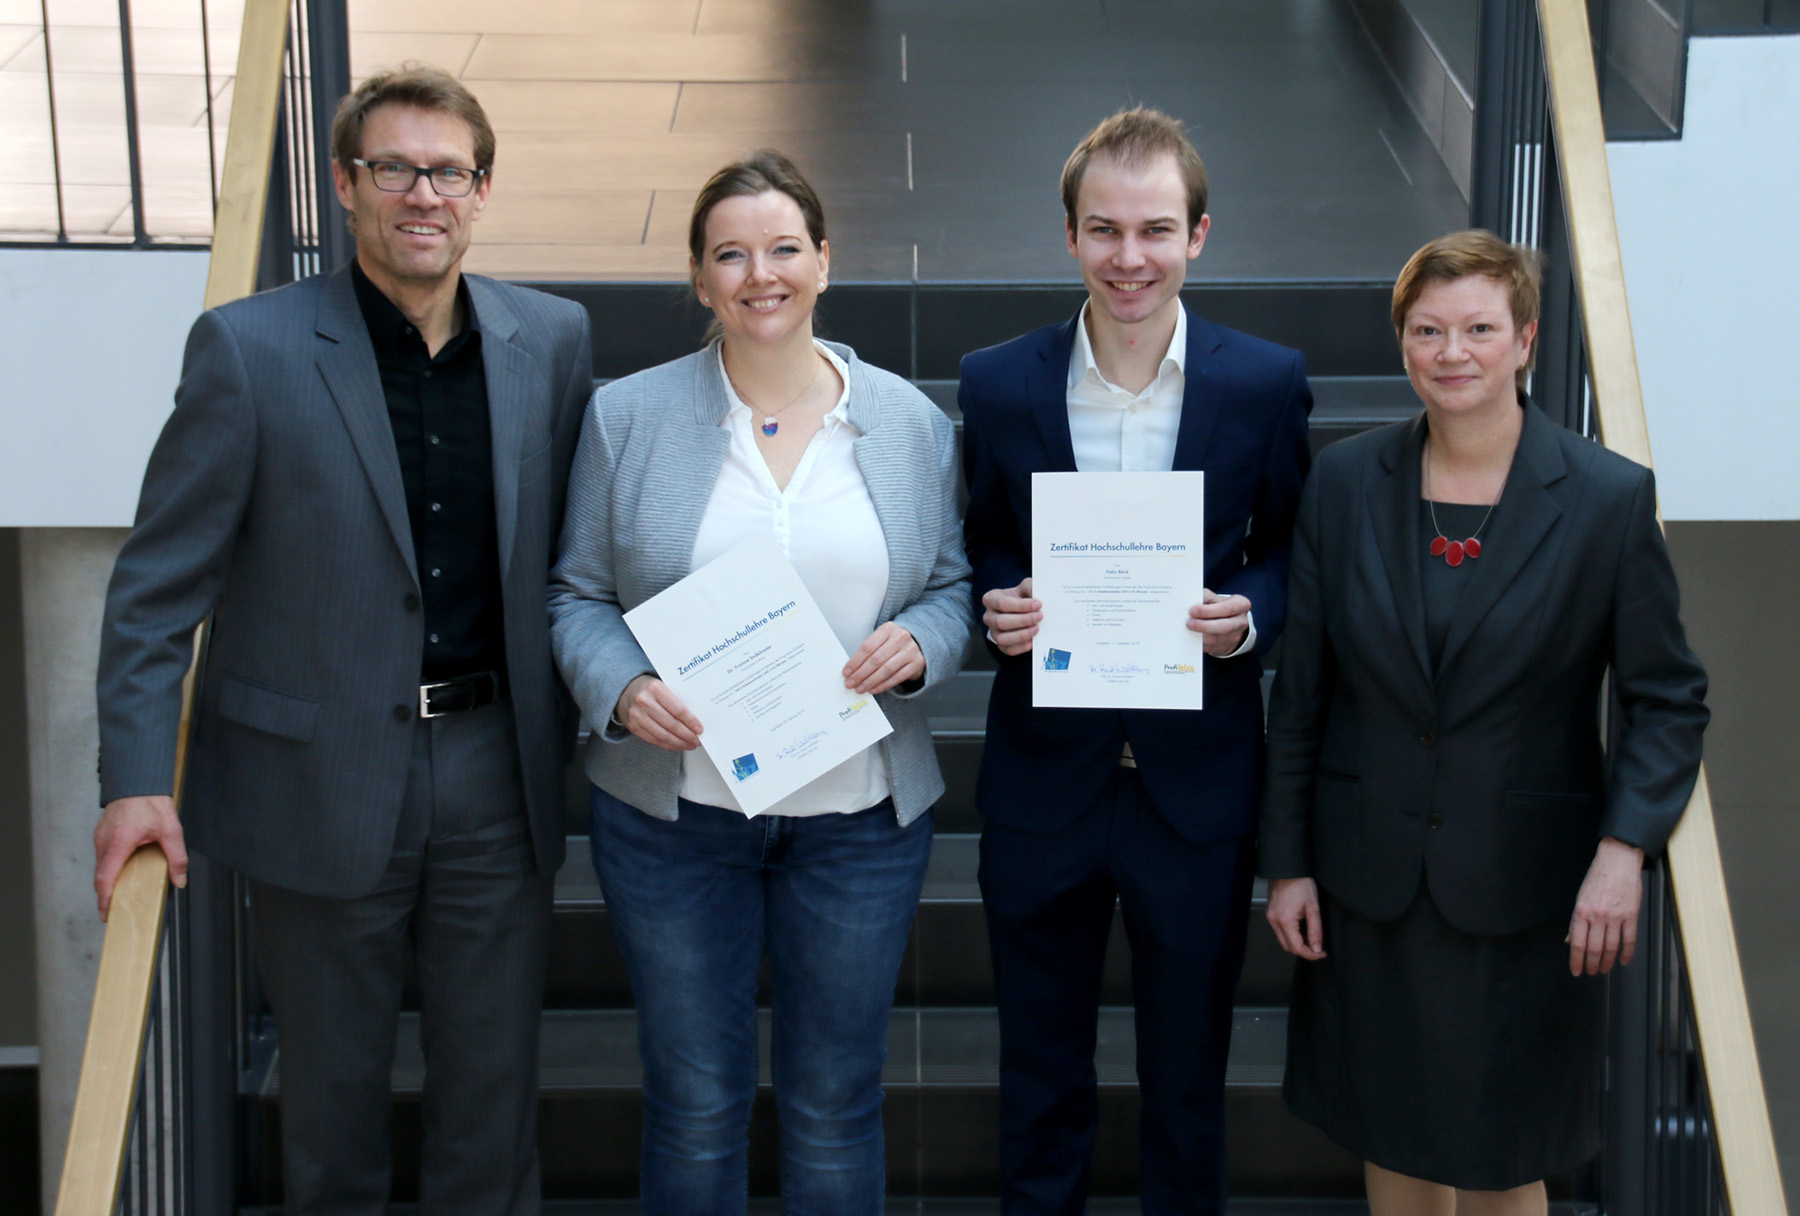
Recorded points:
(651, 448)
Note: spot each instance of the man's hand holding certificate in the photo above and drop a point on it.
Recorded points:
(1118, 560)
(745, 649)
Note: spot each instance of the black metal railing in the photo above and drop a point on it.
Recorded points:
(159, 1154)
(57, 225)
(186, 1146)
(1660, 1157)
(195, 1145)
(1677, 1172)
(304, 231)
(1516, 191)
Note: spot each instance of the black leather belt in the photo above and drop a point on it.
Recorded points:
(462, 693)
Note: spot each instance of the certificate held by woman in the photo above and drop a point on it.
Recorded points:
(743, 643)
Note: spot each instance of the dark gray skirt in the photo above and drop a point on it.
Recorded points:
(1465, 1060)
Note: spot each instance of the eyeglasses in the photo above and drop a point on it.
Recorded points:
(397, 177)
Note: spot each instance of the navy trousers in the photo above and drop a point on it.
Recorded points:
(1050, 898)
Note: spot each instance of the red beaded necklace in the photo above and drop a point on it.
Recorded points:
(1452, 551)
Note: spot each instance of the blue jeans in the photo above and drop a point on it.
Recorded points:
(694, 905)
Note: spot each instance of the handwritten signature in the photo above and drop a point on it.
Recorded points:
(788, 752)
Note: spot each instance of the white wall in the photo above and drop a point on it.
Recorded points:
(1711, 236)
(90, 350)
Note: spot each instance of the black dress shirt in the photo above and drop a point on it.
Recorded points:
(438, 406)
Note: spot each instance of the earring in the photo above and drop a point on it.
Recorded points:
(821, 284)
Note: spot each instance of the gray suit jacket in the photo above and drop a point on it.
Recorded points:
(651, 449)
(273, 500)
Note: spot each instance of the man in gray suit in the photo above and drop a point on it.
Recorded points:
(362, 482)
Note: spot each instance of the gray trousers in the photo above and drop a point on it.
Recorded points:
(462, 888)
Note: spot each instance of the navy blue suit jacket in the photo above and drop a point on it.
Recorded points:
(1243, 422)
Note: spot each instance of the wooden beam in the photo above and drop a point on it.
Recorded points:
(93, 1165)
(1709, 940)
(115, 1042)
(249, 147)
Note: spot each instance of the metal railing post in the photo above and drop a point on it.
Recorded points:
(1559, 383)
(212, 1039)
(140, 235)
(275, 265)
(328, 23)
(1626, 1163)
(62, 219)
(1492, 152)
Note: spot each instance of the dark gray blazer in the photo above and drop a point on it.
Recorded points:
(1489, 776)
(651, 449)
(273, 500)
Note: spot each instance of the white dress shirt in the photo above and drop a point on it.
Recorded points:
(1116, 431)
(825, 522)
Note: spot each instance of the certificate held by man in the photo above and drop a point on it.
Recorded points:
(1117, 559)
(747, 649)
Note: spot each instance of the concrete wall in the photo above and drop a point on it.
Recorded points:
(92, 346)
(1712, 255)
(64, 572)
(1739, 584)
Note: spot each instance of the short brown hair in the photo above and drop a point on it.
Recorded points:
(1479, 252)
(1136, 137)
(758, 173)
(411, 84)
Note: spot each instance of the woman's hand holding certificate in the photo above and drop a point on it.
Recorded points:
(752, 663)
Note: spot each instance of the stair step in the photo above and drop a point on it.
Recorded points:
(583, 1051)
(903, 1205)
(923, 330)
(900, 1205)
(1336, 399)
(942, 1142)
(950, 875)
(946, 961)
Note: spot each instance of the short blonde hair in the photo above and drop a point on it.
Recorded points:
(1473, 251)
(1135, 138)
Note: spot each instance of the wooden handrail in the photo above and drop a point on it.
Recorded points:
(249, 147)
(1721, 1010)
(94, 1162)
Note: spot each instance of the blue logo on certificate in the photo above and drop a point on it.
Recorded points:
(1056, 660)
(744, 767)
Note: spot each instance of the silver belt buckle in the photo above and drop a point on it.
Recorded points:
(425, 698)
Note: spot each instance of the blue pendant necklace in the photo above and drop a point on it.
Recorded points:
(771, 422)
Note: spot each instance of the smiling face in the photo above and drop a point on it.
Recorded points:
(760, 272)
(1462, 349)
(417, 238)
(1131, 237)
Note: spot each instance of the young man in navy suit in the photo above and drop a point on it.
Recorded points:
(1150, 809)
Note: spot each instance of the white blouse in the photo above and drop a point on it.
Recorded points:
(825, 522)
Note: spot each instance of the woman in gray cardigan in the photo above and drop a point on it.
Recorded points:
(765, 431)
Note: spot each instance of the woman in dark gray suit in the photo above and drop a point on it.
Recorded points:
(1451, 852)
(766, 431)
